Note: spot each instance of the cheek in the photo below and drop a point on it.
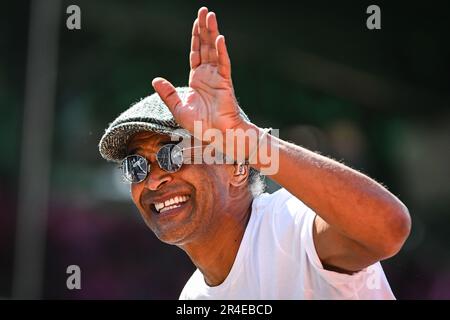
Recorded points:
(136, 190)
(210, 183)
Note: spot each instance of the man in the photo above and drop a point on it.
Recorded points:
(319, 237)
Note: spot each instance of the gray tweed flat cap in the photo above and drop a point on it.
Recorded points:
(150, 114)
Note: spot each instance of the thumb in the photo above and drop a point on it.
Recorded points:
(167, 93)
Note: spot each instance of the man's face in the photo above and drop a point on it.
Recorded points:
(193, 197)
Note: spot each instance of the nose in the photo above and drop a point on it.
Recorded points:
(156, 179)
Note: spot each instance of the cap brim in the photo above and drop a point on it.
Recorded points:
(113, 144)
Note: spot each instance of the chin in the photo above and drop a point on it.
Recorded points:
(173, 237)
(178, 226)
(178, 233)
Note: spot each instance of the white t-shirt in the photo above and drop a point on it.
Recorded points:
(277, 260)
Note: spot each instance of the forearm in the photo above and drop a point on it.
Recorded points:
(347, 200)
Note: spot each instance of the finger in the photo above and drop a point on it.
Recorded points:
(224, 67)
(204, 36)
(213, 32)
(194, 58)
(167, 93)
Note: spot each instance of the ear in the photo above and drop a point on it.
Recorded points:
(240, 175)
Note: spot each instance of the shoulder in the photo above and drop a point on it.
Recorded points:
(280, 200)
(284, 218)
(281, 208)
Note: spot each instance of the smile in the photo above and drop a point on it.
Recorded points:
(171, 203)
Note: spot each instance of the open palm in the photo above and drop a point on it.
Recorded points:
(211, 100)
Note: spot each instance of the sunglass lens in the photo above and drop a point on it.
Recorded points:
(170, 157)
(134, 168)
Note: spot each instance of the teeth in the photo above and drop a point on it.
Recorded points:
(169, 208)
(170, 204)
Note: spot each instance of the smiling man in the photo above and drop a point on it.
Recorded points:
(321, 236)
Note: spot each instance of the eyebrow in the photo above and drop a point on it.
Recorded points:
(133, 151)
(160, 144)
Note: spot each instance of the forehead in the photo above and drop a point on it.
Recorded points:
(147, 140)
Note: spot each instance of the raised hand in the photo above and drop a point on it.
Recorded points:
(212, 98)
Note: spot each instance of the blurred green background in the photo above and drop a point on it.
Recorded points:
(377, 100)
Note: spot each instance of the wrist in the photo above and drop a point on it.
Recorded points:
(243, 142)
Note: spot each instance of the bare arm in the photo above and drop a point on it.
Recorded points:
(359, 222)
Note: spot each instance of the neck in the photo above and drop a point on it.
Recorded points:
(215, 253)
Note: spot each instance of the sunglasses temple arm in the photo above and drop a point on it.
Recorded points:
(196, 147)
(195, 157)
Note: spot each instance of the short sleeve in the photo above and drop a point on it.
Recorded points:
(307, 240)
(293, 228)
(369, 283)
